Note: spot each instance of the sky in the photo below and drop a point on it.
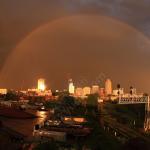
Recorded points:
(87, 40)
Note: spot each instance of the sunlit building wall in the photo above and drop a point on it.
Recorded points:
(32, 90)
(3, 91)
(108, 87)
(71, 87)
(86, 91)
(41, 84)
(45, 93)
(79, 92)
(95, 89)
(134, 91)
(121, 91)
(102, 92)
(115, 92)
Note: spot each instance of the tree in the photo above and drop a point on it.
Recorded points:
(68, 101)
(11, 96)
(136, 144)
(92, 100)
(47, 146)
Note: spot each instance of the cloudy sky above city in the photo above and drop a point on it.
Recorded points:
(80, 39)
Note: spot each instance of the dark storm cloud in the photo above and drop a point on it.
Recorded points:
(19, 17)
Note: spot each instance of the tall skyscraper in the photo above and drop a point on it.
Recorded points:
(41, 84)
(108, 87)
(71, 87)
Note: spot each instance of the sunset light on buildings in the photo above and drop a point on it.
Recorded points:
(41, 84)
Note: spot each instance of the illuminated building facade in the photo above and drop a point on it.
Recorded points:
(102, 92)
(133, 91)
(41, 84)
(95, 89)
(79, 92)
(86, 91)
(71, 87)
(115, 92)
(3, 91)
(108, 87)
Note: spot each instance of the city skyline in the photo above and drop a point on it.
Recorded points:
(100, 81)
(101, 85)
